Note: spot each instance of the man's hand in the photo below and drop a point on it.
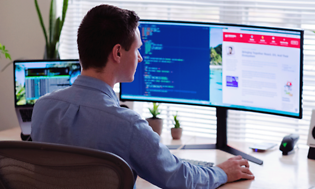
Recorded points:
(236, 168)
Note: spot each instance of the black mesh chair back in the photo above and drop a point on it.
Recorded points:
(34, 165)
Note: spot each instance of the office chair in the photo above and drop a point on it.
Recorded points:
(26, 165)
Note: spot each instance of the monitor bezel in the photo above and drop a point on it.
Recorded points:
(34, 61)
(231, 25)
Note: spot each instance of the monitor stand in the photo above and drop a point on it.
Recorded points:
(221, 139)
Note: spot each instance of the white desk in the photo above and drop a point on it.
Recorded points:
(294, 171)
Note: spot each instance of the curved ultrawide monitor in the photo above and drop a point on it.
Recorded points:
(220, 65)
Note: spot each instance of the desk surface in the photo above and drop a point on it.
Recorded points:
(294, 171)
(11, 134)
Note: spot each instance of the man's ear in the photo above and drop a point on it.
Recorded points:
(116, 53)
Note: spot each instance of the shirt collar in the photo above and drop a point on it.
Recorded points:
(96, 84)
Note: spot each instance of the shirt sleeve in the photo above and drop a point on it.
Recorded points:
(154, 162)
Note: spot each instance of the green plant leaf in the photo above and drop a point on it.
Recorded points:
(64, 12)
(52, 17)
(47, 55)
(176, 121)
(155, 110)
(56, 31)
(41, 21)
(5, 52)
(7, 55)
(53, 48)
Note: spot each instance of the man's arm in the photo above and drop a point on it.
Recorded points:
(154, 162)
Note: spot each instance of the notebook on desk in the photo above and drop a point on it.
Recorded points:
(35, 78)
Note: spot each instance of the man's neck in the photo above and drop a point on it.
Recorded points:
(101, 75)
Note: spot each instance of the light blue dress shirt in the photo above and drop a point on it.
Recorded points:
(88, 114)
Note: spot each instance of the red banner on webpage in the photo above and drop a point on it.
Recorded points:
(261, 39)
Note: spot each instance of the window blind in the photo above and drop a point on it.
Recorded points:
(201, 121)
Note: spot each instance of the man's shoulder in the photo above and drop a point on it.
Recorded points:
(55, 95)
(127, 114)
(96, 104)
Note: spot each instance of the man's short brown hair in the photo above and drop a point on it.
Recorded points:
(101, 29)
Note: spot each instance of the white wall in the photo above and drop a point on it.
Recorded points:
(21, 33)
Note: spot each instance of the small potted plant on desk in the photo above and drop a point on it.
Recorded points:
(155, 122)
(176, 131)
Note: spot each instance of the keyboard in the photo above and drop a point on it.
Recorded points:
(26, 114)
(198, 163)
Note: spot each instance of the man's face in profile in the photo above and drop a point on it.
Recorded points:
(131, 58)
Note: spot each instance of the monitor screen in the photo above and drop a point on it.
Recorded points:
(222, 65)
(35, 78)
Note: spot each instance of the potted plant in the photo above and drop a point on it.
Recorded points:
(155, 122)
(176, 131)
(55, 27)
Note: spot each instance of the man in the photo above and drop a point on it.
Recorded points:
(88, 114)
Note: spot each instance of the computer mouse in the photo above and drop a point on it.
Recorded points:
(288, 143)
